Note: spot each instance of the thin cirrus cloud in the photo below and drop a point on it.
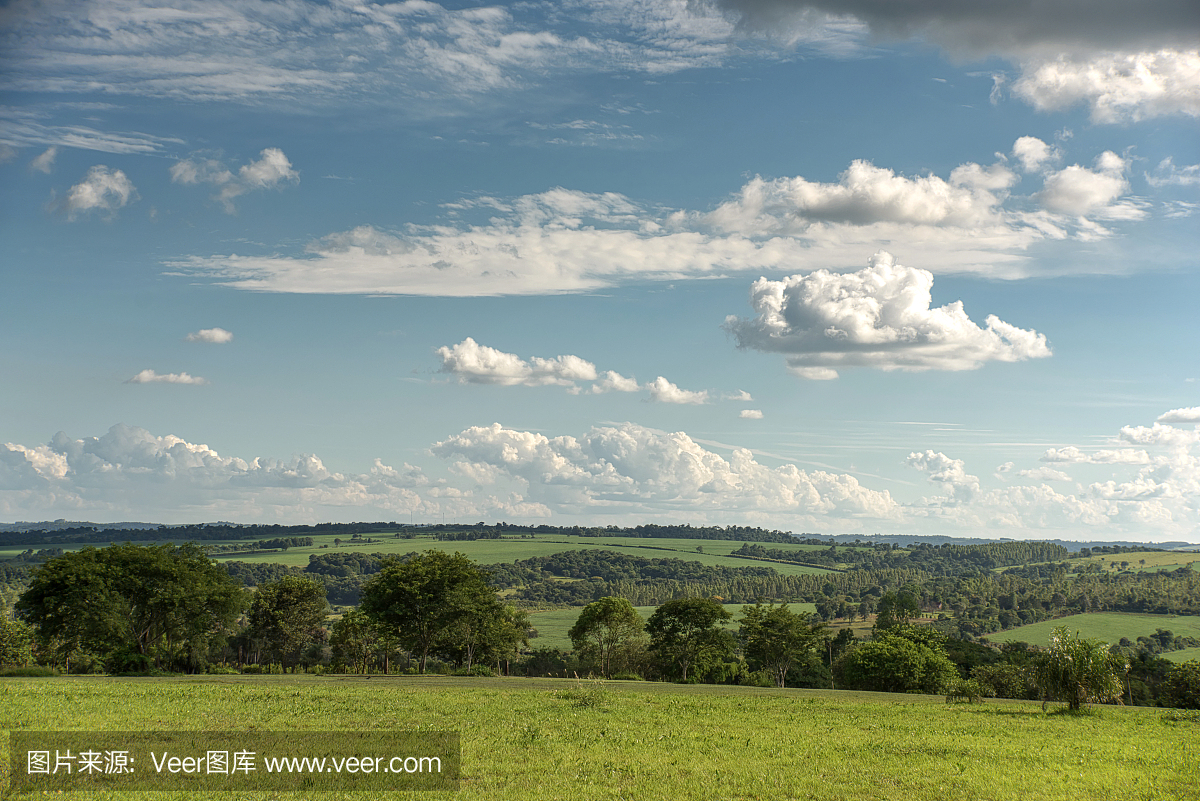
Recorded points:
(567, 241)
(212, 336)
(270, 171)
(473, 363)
(255, 52)
(151, 377)
(878, 317)
(101, 190)
(1124, 61)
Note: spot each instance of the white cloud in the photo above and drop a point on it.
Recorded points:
(166, 478)
(1034, 154)
(44, 163)
(28, 128)
(1167, 174)
(429, 58)
(473, 363)
(865, 194)
(270, 171)
(612, 469)
(101, 189)
(751, 414)
(663, 391)
(960, 486)
(1190, 414)
(877, 317)
(214, 336)
(614, 382)
(564, 241)
(478, 364)
(1072, 455)
(7, 152)
(1044, 474)
(1127, 61)
(1117, 87)
(1085, 192)
(151, 377)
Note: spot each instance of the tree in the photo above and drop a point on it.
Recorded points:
(160, 603)
(286, 615)
(685, 632)
(1078, 670)
(606, 632)
(904, 659)
(774, 638)
(895, 609)
(1181, 688)
(421, 598)
(16, 643)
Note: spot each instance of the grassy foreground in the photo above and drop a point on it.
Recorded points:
(558, 739)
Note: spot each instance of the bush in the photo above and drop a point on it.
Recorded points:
(29, 671)
(482, 671)
(627, 677)
(969, 691)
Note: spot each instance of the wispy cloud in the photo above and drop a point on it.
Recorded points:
(270, 171)
(151, 377)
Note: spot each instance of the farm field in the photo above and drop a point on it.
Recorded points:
(1107, 626)
(556, 739)
(1151, 561)
(1185, 655)
(553, 625)
(486, 552)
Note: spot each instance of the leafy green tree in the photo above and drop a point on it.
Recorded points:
(354, 640)
(164, 603)
(895, 609)
(774, 638)
(1078, 670)
(16, 643)
(485, 630)
(685, 632)
(607, 632)
(1181, 688)
(904, 659)
(286, 616)
(420, 599)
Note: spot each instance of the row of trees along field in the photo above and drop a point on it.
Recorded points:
(131, 607)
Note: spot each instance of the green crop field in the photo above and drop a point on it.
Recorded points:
(1146, 560)
(1184, 655)
(546, 739)
(1107, 626)
(487, 552)
(552, 626)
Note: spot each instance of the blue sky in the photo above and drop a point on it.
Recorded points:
(849, 267)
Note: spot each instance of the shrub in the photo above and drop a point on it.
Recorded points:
(969, 691)
(1181, 689)
(29, 671)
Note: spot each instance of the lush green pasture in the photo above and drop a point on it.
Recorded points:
(1147, 560)
(1185, 655)
(1107, 626)
(487, 552)
(546, 739)
(553, 625)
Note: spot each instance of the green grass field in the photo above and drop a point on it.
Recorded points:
(553, 625)
(486, 552)
(1151, 561)
(1107, 626)
(526, 739)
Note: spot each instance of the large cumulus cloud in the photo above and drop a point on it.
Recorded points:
(628, 467)
(878, 317)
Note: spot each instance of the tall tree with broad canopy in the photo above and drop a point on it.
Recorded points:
(423, 598)
(286, 615)
(606, 631)
(160, 603)
(903, 659)
(1078, 670)
(895, 609)
(686, 633)
(774, 638)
